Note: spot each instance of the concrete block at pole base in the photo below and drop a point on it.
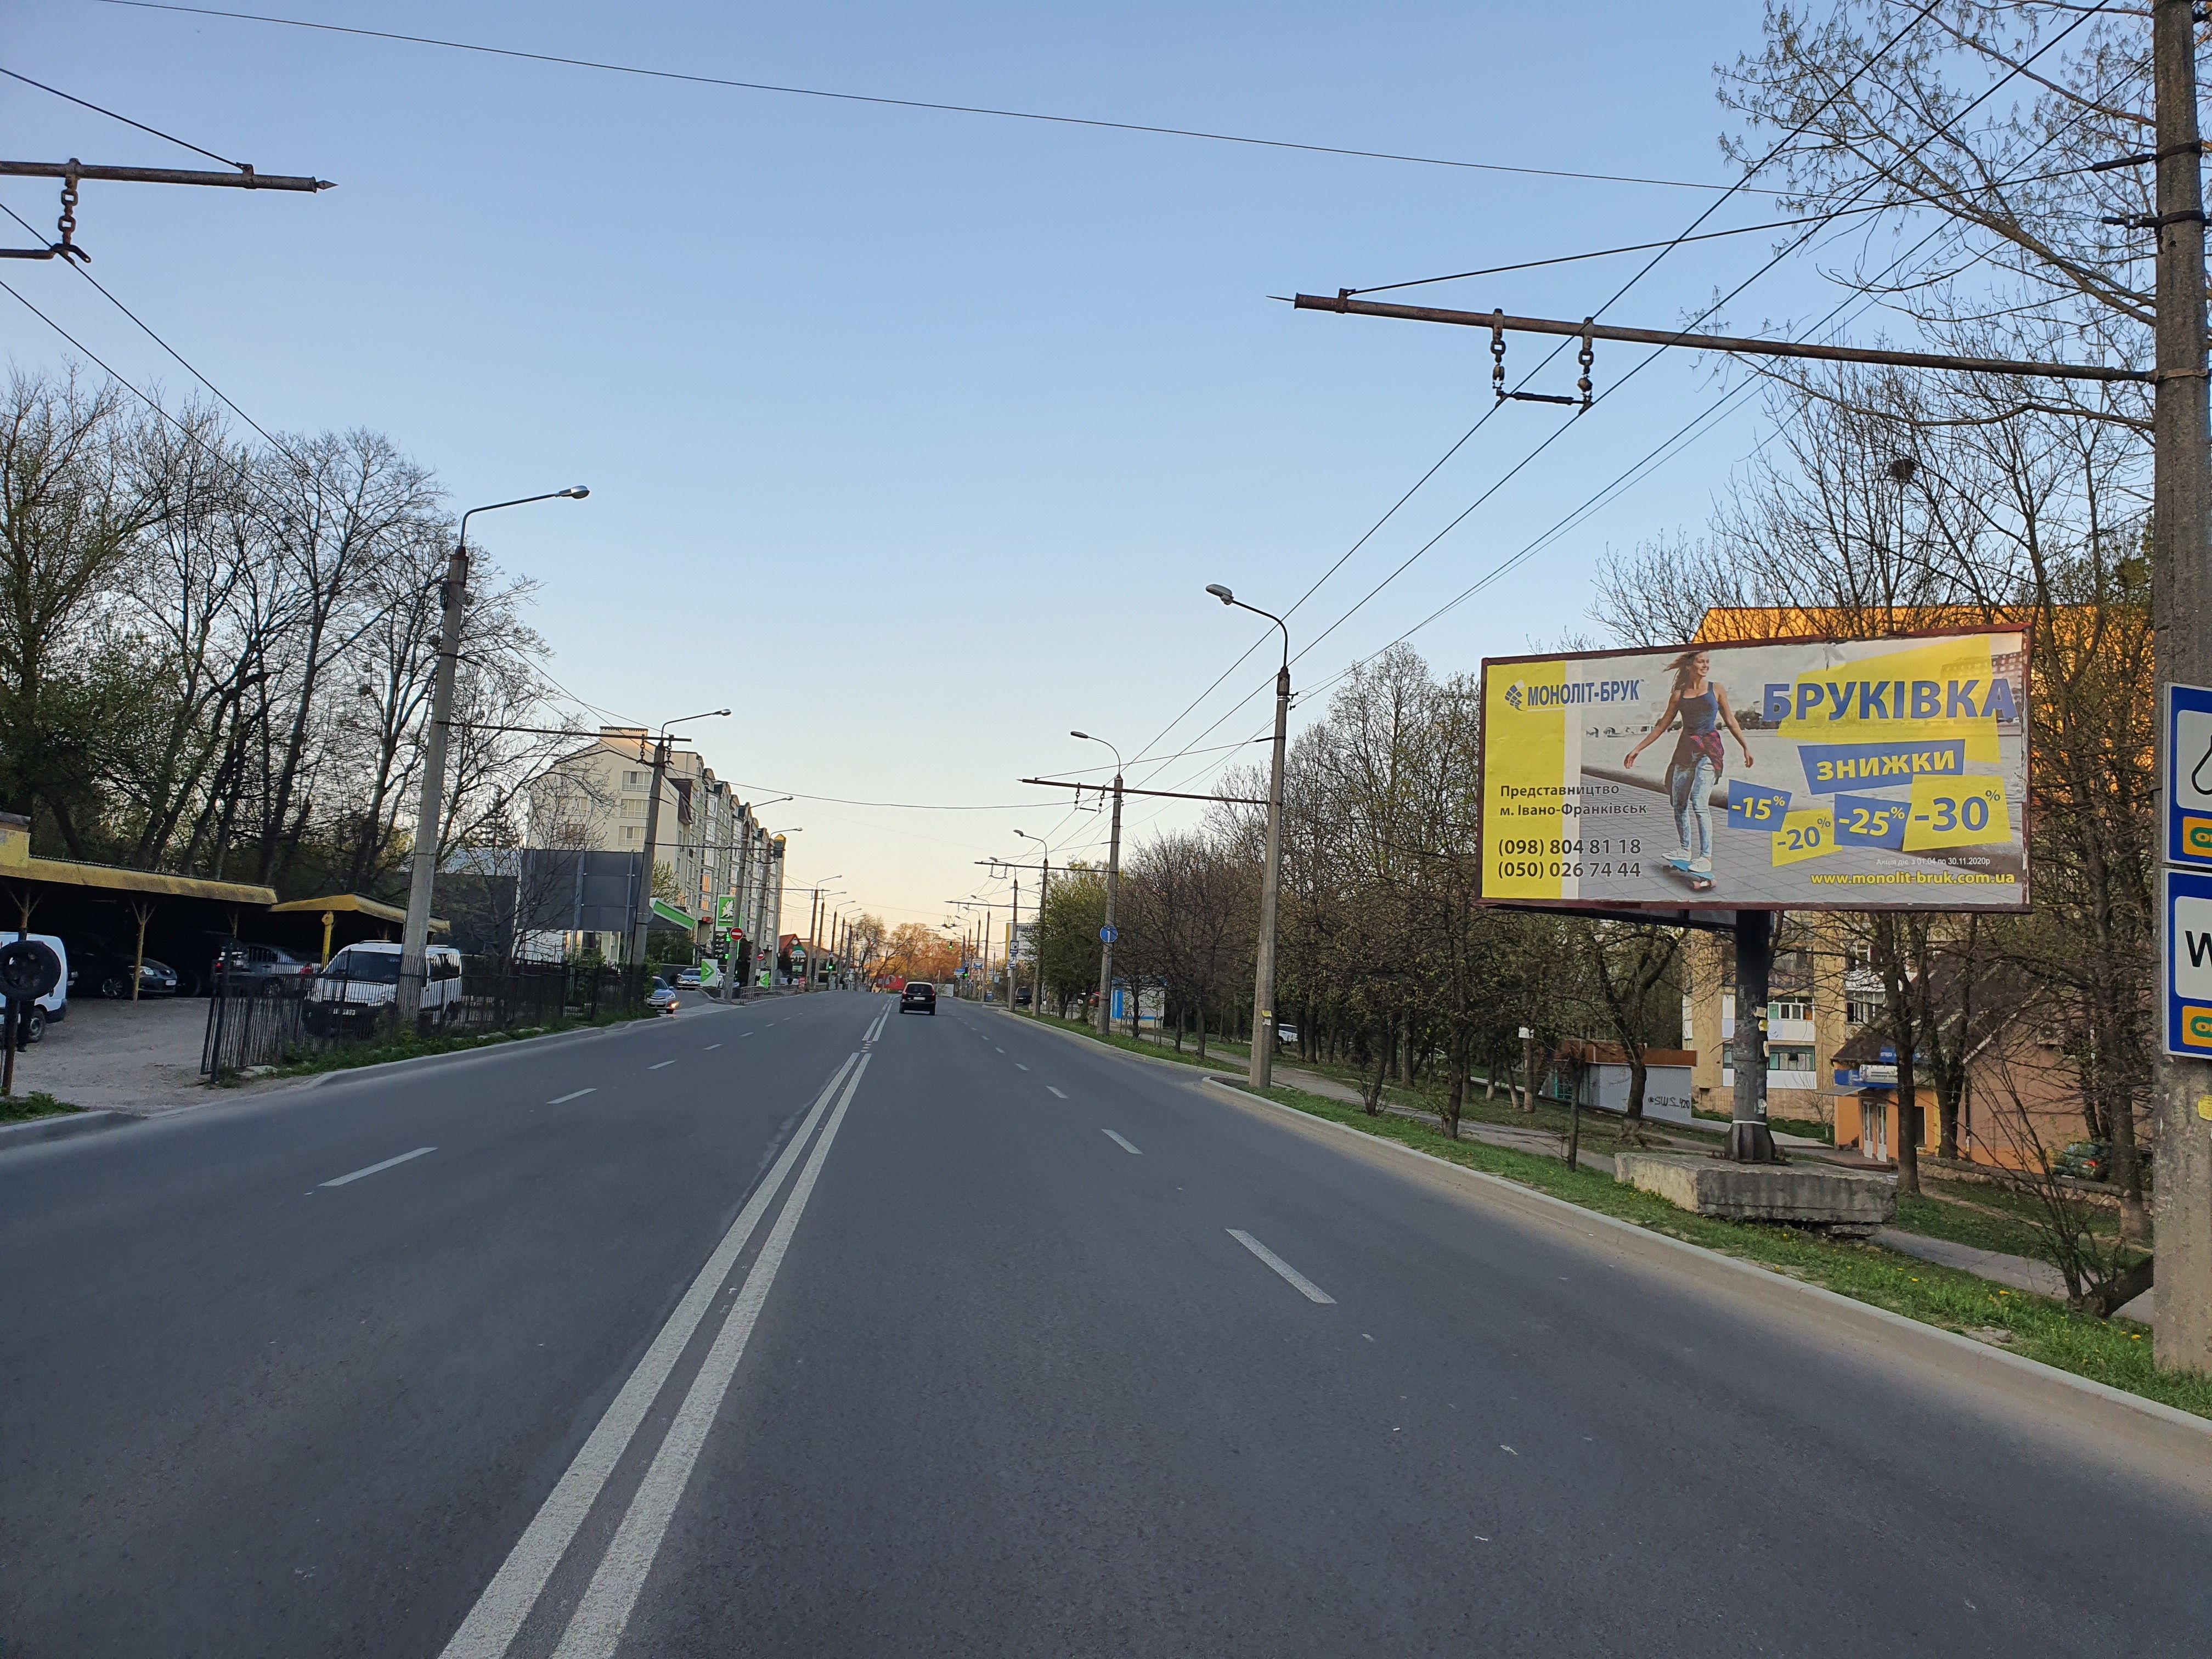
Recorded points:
(1851, 1203)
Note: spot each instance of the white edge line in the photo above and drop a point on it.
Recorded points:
(491, 1624)
(358, 1174)
(603, 1612)
(1120, 1142)
(658, 1064)
(573, 1094)
(1298, 1281)
(1056, 1091)
(2172, 1416)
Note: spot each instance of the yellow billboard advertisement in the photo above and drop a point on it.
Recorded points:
(1799, 774)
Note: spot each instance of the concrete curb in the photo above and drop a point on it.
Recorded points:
(1960, 1347)
(62, 1126)
(1180, 1068)
(488, 1051)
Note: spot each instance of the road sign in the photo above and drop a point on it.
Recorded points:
(2189, 776)
(1108, 935)
(2188, 964)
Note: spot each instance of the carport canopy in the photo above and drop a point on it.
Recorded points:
(168, 916)
(362, 918)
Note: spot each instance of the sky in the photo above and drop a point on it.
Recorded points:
(914, 436)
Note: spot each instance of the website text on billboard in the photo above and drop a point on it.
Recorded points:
(1886, 773)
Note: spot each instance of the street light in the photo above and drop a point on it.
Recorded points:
(814, 922)
(1271, 879)
(641, 914)
(1113, 892)
(1036, 941)
(415, 933)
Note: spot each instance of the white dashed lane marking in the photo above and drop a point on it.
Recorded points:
(1305, 1286)
(356, 1174)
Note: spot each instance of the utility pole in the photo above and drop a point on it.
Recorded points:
(423, 877)
(1036, 946)
(1262, 1070)
(1113, 893)
(814, 914)
(2181, 1293)
(640, 922)
(1013, 952)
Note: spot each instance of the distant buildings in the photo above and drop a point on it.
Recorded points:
(716, 872)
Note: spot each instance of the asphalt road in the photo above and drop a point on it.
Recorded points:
(741, 1332)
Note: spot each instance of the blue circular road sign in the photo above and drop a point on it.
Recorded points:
(1108, 935)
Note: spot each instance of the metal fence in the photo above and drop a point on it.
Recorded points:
(258, 1021)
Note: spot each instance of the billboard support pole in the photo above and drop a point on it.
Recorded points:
(1750, 1141)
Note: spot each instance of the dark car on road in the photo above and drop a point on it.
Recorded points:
(919, 997)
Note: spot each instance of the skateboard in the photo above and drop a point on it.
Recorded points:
(1699, 882)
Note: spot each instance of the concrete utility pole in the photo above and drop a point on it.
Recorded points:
(641, 920)
(1262, 1070)
(1113, 893)
(2181, 615)
(423, 877)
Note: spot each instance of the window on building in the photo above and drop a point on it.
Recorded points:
(1789, 1060)
(1789, 1008)
(631, 832)
(634, 809)
(1862, 1011)
(633, 780)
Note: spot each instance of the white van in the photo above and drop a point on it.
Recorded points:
(361, 982)
(52, 1007)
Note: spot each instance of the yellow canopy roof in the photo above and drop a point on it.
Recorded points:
(354, 901)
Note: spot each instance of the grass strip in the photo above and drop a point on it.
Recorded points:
(351, 1057)
(2116, 1353)
(21, 1109)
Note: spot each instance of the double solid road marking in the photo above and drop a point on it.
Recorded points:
(492, 1624)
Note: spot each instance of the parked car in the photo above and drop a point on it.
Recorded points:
(662, 998)
(54, 1005)
(1024, 997)
(688, 980)
(101, 968)
(919, 997)
(2092, 1160)
(268, 970)
(362, 980)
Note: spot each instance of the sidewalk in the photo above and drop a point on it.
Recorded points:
(1543, 1142)
(2021, 1272)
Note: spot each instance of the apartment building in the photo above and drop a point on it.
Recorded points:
(1821, 992)
(707, 844)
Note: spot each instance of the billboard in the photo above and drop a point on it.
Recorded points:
(1799, 774)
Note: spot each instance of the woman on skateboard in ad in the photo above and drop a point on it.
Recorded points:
(1699, 759)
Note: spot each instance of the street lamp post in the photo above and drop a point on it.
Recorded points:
(641, 922)
(415, 933)
(1113, 892)
(1271, 879)
(1037, 928)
